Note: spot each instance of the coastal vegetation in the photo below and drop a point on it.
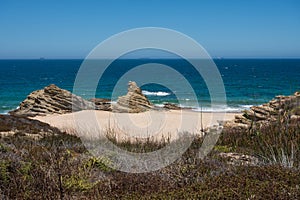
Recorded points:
(257, 156)
(59, 167)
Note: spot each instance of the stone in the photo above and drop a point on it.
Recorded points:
(102, 104)
(241, 120)
(269, 112)
(295, 118)
(240, 159)
(171, 106)
(264, 110)
(254, 116)
(133, 102)
(235, 126)
(51, 100)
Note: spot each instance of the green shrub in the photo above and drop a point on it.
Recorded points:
(77, 183)
(103, 163)
(4, 148)
(4, 171)
(223, 148)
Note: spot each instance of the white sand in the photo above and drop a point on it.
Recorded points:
(154, 124)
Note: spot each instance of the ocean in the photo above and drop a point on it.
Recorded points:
(247, 81)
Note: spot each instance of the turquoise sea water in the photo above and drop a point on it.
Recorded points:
(247, 81)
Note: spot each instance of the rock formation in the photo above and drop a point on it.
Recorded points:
(171, 106)
(288, 106)
(133, 102)
(102, 104)
(51, 100)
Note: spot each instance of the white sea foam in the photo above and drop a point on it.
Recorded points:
(160, 105)
(217, 109)
(159, 93)
(223, 108)
(247, 107)
(4, 109)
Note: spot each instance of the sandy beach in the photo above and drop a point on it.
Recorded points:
(154, 124)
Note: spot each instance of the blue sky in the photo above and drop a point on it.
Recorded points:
(225, 28)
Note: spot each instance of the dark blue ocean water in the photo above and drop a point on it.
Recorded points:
(247, 81)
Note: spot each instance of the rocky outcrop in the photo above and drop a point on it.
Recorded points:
(288, 106)
(133, 102)
(171, 106)
(102, 104)
(51, 100)
(22, 126)
(54, 100)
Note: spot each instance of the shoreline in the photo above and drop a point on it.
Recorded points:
(237, 111)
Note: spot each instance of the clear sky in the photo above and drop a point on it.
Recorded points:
(225, 28)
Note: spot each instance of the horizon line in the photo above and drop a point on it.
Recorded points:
(141, 58)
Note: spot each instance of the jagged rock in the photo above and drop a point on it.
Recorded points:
(255, 116)
(102, 104)
(241, 120)
(264, 110)
(22, 126)
(171, 106)
(133, 102)
(266, 113)
(51, 100)
(232, 126)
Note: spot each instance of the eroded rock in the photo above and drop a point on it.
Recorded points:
(102, 104)
(171, 106)
(133, 102)
(51, 100)
(269, 112)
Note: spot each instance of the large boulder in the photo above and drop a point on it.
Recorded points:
(133, 102)
(51, 100)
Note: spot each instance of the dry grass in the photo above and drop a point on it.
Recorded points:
(277, 143)
(60, 167)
